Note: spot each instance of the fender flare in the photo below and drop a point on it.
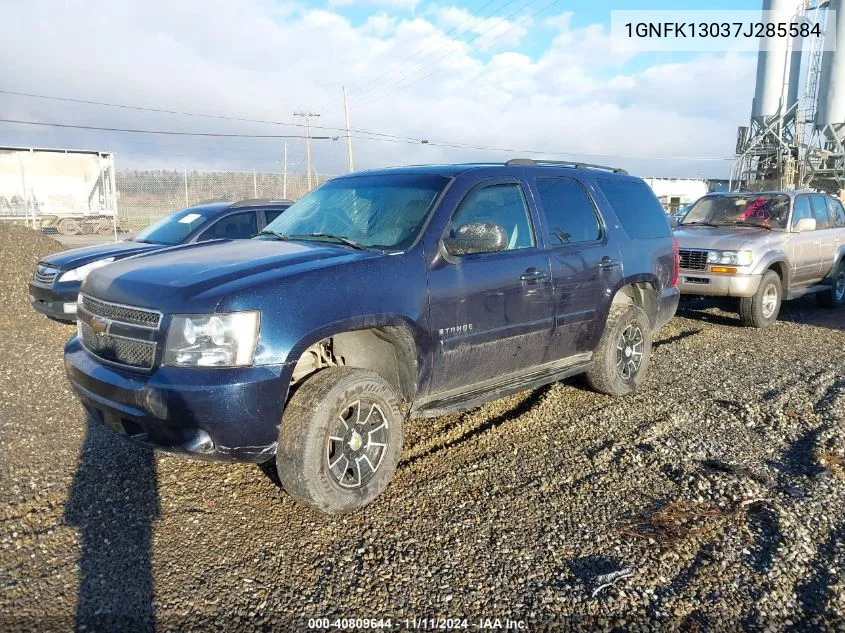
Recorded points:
(417, 334)
(770, 259)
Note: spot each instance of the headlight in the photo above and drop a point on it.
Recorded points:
(79, 274)
(732, 258)
(212, 340)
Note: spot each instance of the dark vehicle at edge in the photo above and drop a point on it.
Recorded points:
(413, 291)
(55, 284)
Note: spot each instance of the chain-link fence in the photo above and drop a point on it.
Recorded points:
(146, 195)
(75, 192)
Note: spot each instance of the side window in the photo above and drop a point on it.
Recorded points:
(272, 214)
(569, 212)
(820, 212)
(502, 204)
(801, 209)
(837, 213)
(233, 227)
(637, 208)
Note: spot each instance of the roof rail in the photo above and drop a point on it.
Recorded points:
(259, 202)
(530, 162)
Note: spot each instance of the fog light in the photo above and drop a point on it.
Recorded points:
(70, 308)
(722, 269)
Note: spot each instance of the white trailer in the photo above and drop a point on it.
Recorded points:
(70, 190)
(674, 193)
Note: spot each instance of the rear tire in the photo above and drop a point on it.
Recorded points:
(623, 354)
(835, 296)
(340, 440)
(762, 309)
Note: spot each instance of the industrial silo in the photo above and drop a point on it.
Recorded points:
(830, 111)
(778, 67)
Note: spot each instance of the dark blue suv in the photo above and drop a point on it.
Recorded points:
(413, 291)
(55, 284)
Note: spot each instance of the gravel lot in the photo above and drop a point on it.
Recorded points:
(718, 491)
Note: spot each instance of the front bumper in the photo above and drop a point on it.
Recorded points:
(56, 301)
(702, 283)
(227, 414)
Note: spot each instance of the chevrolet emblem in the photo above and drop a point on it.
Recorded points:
(100, 325)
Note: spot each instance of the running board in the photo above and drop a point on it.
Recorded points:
(475, 395)
(808, 290)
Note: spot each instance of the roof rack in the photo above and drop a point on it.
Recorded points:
(530, 162)
(259, 202)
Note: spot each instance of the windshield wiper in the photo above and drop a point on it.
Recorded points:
(329, 236)
(276, 234)
(754, 224)
(698, 223)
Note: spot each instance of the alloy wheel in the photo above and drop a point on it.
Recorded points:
(770, 301)
(357, 444)
(629, 351)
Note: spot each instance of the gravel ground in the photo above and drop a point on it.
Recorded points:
(717, 493)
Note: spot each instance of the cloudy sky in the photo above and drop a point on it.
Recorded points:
(520, 75)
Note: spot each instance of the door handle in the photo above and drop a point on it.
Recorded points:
(533, 274)
(607, 263)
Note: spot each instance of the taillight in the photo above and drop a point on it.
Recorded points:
(677, 267)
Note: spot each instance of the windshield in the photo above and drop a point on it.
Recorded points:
(766, 210)
(383, 211)
(174, 228)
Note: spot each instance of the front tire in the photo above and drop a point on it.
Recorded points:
(762, 309)
(835, 296)
(340, 440)
(623, 353)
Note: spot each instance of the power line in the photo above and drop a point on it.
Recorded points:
(366, 87)
(164, 132)
(379, 94)
(433, 143)
(185, 113)
(375, 97)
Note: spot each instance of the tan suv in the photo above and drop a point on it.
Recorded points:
(763, 248)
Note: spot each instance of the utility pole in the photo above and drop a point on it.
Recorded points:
(307, 116)
(348, 138)
(285, 177)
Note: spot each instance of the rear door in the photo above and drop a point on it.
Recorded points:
(826, 234)
(235, 226)
(583, 264)
(806, 247)
(491, 312)
(837, 217)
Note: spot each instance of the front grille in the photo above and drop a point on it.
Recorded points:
(101, 321)
(45, 275)
(124, 314)
(693, 260)
(118, 350)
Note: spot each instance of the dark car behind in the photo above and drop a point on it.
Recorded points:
(55, 285)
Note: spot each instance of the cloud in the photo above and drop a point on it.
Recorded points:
(249, 59)
(399, 5)
(485, 32)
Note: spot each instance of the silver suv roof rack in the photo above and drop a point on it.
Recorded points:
(530, 162)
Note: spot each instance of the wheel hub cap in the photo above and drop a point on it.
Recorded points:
(355, 441)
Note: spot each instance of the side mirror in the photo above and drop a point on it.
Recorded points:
(805, 224)
(476, 237)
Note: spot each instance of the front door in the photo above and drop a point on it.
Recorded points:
(806, 247)
(491, 312)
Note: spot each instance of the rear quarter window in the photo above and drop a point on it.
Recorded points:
(637, 208)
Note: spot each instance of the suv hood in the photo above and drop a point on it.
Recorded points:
(81, 256)
(726, 238)
(194, 277)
